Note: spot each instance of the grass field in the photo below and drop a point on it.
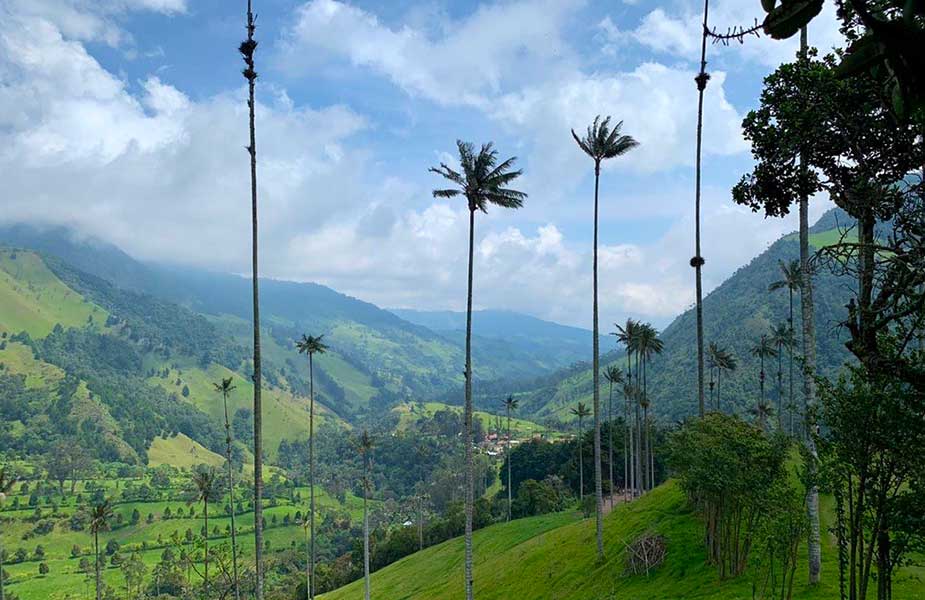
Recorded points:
(66, 581)
(34, 300)
(553, 557)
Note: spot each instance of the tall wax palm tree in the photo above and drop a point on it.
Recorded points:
(510, 405)
(697, 261)
(205, 490)
(781, 337)
(483, 181)
(100, 516)
(628, 399)
(225, 388)
(311, 345)
(366, 448)
(247, 48)
(790, 272)
(649, 344)
(613, 375)
(600, 143)
(762, 350)
(807, 309)
(581, 411)
(7, 481)
(627, 335)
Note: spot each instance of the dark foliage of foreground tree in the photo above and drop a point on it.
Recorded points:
(483, 181)
(871, 448)
(887, 37)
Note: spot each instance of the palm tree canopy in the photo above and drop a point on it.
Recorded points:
(613, 375)
(627, 334)
(510, 403)
(100, 515)
(782, 335)
(601, 142)
(310, 344)
(648, 342)
(764, 348)
(581, 411)
(204, 485)
(225, 387)
(483, 180)
(720, 358)
(791, 276)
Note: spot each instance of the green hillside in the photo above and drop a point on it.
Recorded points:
(553, 556)
(736, 314)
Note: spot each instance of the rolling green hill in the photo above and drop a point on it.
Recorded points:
(553, 556)
(736, 314)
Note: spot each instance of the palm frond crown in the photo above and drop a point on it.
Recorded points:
(483, 179)
(602, 142)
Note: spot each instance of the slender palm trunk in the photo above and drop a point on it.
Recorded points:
(2, 596)
(637, 455)
(626, 444)
(509, 480)
(96, 564)
(251, 76)
(581, 464)
(311, 476)
(470, 475)
(790, 359)
(761, 387)
(698, 260)
(366, 532)
(629, 423)
(234, 540)
(205, 540)
(780, 386)
(609, 443)
(809, 378)
(719, 390)
(598, 492)
(649, 460)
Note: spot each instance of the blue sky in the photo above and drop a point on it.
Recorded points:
(125, 120)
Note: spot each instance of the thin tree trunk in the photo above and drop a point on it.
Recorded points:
(234, 541)
(719, 390)
(780, 386)
(205, 541)
(1, 573)
(96, 553)
(809, 378)
(599, 498)
(790, 359)
(251, 76)
(470, 475)
(698, 260)
(609, 444)
(581, 466)
(509, 480)
(311, 476)
(366, 531)
(627, 435)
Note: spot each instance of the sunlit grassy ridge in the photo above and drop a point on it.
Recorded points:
(410, 413)
(553, 558)
(34, 300)
(181, 452)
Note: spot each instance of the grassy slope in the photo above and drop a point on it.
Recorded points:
(181, 452)
(553, 557)
(34, 300)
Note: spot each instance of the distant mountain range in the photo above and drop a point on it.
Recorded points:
(184, 328)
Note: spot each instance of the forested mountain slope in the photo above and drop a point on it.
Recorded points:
(736, 314)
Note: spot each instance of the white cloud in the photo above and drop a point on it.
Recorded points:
(484, 54)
